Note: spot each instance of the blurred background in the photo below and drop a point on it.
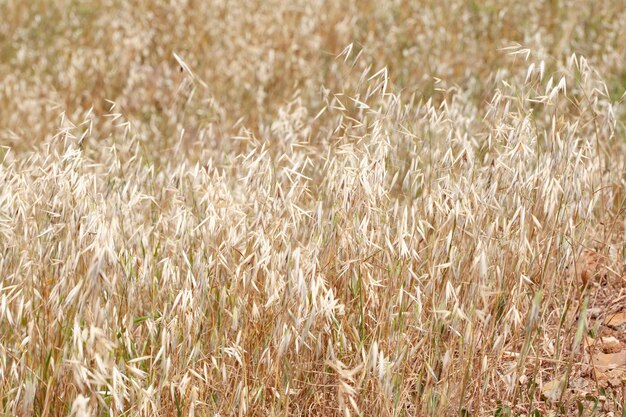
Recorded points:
(251, 57)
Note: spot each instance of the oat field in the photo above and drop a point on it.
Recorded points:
(312, 208)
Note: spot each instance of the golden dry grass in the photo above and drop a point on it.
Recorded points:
(311, 207)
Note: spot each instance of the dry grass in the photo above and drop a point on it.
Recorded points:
(310, 208)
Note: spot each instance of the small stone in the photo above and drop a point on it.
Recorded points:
(578, 384)
(609, 340)
(594, 312)
(586, 370)
(604, 362)
(610, 344)
(589, 341)
(616, 320)
(552, 390)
